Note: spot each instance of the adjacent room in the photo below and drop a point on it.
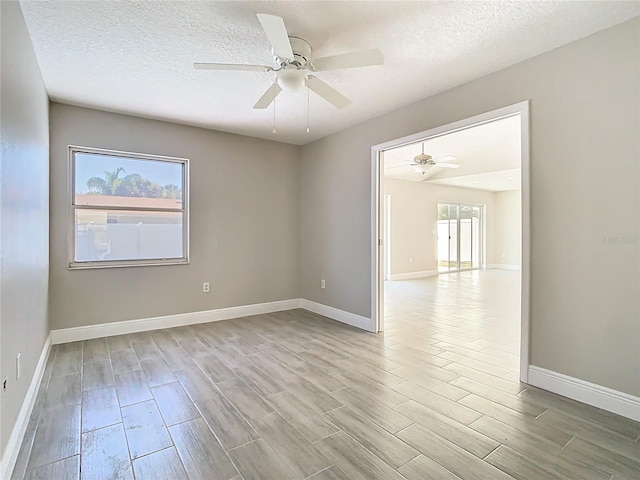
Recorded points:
(452, 252)
(356, 240)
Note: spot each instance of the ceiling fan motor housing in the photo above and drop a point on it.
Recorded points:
(423, 159)
(292, 76)
(301, 53)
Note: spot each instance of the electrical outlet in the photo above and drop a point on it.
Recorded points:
(18, 366)
(410, 259)
(205, 287)
(322, 283)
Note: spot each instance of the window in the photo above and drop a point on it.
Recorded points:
(127, 209)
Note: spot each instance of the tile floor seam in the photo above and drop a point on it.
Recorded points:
(51, 463)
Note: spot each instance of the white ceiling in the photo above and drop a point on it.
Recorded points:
(488, 155)
(136, 56)
(498, 181)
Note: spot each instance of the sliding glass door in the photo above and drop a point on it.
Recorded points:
(459, 237)
(447, 237)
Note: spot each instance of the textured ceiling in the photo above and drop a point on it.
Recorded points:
(136, 56)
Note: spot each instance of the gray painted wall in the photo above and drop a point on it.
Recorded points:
(585, 150)
(24, 213)
(244, 223)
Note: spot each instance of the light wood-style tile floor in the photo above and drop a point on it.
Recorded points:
(293, 395)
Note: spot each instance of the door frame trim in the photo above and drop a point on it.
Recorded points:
(377, 281)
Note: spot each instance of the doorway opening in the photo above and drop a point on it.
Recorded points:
(455, 206)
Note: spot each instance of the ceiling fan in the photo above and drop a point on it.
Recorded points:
(424, 164)
(292, 57)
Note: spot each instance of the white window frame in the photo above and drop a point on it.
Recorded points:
(75, 265)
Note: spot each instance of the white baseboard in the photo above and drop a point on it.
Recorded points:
(504, 266)
(340, 315)
(586, 392)
(12, 449)
(142, 325)
(410, 275)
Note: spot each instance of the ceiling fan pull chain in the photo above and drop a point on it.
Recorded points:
(308, 111)
(274, 117)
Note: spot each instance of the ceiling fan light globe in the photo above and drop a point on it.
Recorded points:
(292, 80)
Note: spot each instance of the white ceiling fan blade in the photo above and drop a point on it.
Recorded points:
(364, 58)
(277, 34)
(269, 96)
(400, 166)
(446, 165)
(231, 66)
(330, 94)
